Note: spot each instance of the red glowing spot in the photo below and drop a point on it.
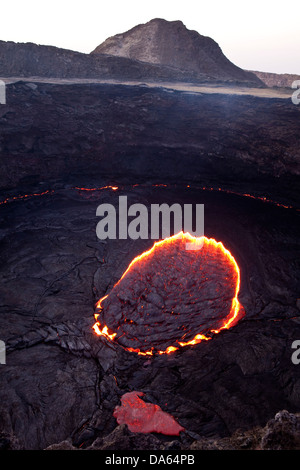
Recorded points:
(145, 417)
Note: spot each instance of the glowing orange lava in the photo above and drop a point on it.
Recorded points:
(163, 185)
(26, 196)
(236, 310)
(114, 188)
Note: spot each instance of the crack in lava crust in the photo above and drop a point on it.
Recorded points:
(170, 297)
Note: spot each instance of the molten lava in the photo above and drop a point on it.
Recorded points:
(145, 417)
(170, 297)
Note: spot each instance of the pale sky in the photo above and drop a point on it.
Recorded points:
(259, 35)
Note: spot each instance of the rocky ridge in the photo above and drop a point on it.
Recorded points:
(170, 43)
(278, 80)
(165, 51)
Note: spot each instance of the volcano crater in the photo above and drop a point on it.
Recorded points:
(171, 296)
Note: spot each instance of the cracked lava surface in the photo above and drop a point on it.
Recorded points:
(170, 297)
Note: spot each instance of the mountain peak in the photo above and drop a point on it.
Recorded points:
(170, 43)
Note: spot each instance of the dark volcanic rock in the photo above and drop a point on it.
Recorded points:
(32, 60)
(119, 439)
(72, 133)
(61, 382)
(282, 432)
(170, 43)
(123, 439)
(171, 295)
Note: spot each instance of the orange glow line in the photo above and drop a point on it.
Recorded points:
(235, 305)
(197, 339)
(26, 196)
(257, 198)
(103, 332)
(169, 350)
(141, 353)
(98, 304)
(169, 240)
(114, 188)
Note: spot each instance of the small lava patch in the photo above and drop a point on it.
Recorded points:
(145, 417)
